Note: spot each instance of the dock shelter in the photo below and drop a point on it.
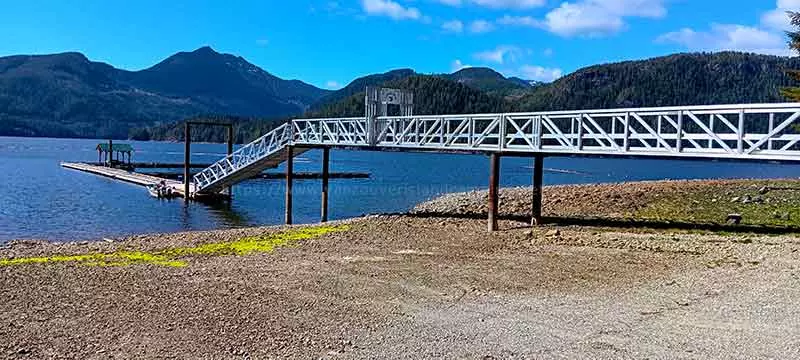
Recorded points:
(106, 151)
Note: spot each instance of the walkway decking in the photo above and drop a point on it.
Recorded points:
(127, 176)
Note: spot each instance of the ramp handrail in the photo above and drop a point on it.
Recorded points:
(256, 150)
(763, 132)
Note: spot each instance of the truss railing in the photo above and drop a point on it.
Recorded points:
(752, 131)
(747, 131)
(245, 156)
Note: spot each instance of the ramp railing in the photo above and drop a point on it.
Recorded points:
(745, 131)
(269, 144)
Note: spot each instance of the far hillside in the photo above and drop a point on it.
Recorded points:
(680, 79)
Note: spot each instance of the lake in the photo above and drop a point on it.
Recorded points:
(41, 200)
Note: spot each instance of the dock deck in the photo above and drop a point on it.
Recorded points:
(127, 176)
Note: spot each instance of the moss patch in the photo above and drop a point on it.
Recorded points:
(779, 205)
(175, 257)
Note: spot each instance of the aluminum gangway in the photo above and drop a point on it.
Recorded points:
(761, 132)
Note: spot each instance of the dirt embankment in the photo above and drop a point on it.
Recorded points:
(407, 286)
(759, 202)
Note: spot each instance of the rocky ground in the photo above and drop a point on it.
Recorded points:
(424, 286)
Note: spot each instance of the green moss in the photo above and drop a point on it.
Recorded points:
(172, 257)
(712, 204)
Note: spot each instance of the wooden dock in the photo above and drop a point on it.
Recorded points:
(126, 176)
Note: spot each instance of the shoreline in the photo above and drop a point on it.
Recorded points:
(472, 203)
(404, 285)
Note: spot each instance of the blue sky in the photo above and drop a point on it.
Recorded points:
(329, 43)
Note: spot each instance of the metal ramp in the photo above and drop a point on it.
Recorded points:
(266, 152)
(755, 132)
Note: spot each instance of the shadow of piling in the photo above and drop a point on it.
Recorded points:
(622, 223)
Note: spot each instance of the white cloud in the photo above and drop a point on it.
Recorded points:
(535, 72)
(499, 55)
(509, 4)
(778, 19)
(728, 37)
(519, 21)
(391, 9)
(499, 4)
(599, 17)
(590, 17)
(480, 26)
(547, 52)
(768, 38)
(455, 26)
(332, 85)
(457, 65)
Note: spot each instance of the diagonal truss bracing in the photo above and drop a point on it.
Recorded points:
(748, 131)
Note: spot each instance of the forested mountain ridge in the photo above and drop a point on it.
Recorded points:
(491, 81)
(432, 95)
(680, 79)
(68, 95)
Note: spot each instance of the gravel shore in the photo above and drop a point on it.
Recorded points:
(420, 286)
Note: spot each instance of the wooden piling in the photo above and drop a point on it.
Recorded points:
(110, 158)
(538, 174)
(289, 173)
(229, 189)
(187, 159)
(494, 182)
(325, 175)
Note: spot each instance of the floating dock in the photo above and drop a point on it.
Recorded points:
(127, 176)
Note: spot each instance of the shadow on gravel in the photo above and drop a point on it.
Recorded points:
(624, 223)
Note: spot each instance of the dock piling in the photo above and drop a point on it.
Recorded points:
(230, 151)
(494, 182)
(289, 173)
(538, 174)
(187, 158)
(325, 175)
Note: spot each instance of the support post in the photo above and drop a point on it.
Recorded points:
(626, 143)
(679, 140)
(325, 175)
(538, 174)
(289, 176)
(771, 126)
(740, 137)
(494, 182)
(187, 158)
(229, 189)
(110, 156)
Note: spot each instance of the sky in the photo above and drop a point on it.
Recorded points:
(330, 43)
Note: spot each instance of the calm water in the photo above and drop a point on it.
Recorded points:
(41, 200)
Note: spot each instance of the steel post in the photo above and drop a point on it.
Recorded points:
(538, 174)
(325, 175)
(187, 158)
(494, 182)
(289, 178)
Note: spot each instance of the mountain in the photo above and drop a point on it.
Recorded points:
(359, 85)
(432, 95)
(478, 78)
(68, 95)
(226, 83)
(680, 79)
(490, 81)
